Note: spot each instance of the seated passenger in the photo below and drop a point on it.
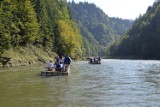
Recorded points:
(59, 67)
(95, 60)
(91, 60)
(50, 65)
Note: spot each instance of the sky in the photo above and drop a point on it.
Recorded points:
(125, 9)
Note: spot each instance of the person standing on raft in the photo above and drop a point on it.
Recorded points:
(67, 62)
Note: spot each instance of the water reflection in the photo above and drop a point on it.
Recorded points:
(112, 83)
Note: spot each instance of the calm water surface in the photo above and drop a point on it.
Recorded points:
(113, 83)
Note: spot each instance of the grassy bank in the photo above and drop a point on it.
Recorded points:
(28, 55)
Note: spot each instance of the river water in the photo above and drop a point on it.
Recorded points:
(113, 83)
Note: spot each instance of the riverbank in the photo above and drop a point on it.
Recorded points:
(29, 55)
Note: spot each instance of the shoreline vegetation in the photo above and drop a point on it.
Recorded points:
(32, 55)
(37, 31)
(25, 56)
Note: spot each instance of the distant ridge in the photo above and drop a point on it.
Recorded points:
(99, 30)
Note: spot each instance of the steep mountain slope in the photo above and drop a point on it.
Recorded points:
(98, 30)
(33, 31)
(143, 39)
(43, 23)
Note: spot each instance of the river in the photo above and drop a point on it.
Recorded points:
(113, 83)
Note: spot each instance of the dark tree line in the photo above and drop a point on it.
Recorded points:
(143, 39)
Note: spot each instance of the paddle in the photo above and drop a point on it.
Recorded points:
(74, 67)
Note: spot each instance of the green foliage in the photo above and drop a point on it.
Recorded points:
(27, 22)
(143, 38)
(99, 31)
(39, 22)
(18, 21)
(5, 16)
(68, 38)
(47, 16)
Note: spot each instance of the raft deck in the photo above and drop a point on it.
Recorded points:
(56, 72)
(94, 62)
(53, 73)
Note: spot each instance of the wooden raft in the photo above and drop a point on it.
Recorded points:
(94, 62)
(56, 72)
(53, 73)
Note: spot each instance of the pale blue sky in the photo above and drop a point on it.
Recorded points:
(125, 9)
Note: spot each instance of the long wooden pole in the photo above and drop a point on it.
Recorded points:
(74, 68)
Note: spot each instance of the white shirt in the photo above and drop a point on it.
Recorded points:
(50, 64)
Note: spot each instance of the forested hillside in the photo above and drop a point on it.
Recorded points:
(143, 39)
(42, 23)
(98, 29)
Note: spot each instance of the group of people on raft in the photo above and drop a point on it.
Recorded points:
(61, 63)
(95, 60)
